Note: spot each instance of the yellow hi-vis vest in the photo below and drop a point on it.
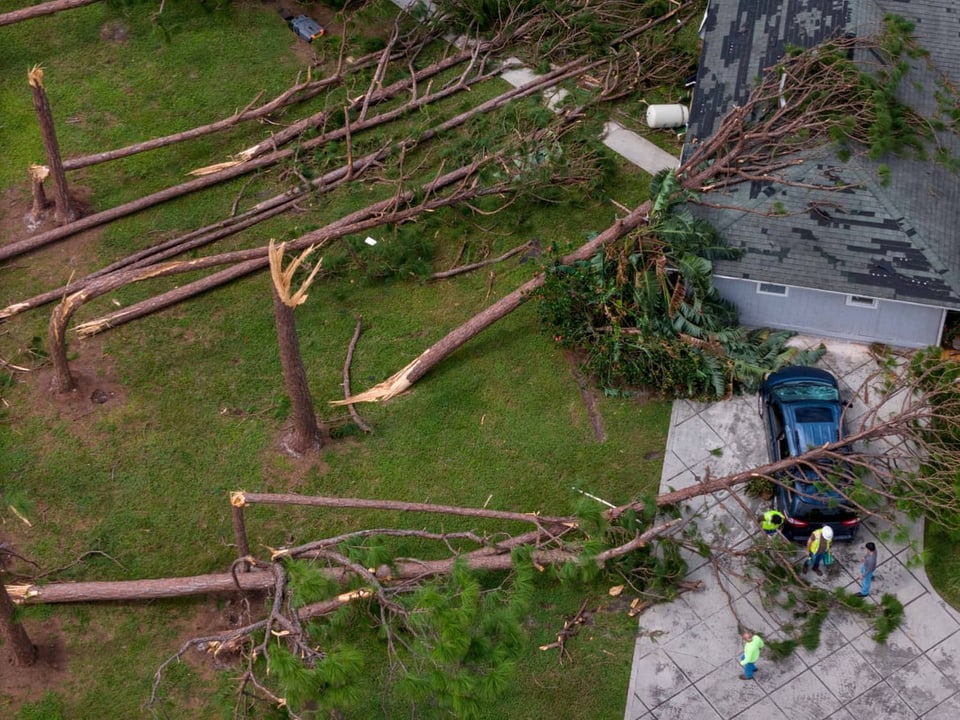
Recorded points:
(769, 520)
(815, 545)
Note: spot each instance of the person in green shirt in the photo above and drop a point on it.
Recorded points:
(752, 645)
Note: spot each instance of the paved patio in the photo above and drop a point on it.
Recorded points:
(685, 660)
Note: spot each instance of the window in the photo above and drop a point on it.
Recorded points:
(860, 301)
(770, 289)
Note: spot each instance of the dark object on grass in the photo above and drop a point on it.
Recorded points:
(306, 28)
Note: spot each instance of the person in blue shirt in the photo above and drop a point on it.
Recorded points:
(867, 568)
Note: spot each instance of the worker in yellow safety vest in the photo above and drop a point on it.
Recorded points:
(771, 521)
(818, 545)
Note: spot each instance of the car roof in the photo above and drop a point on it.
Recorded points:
(809, 434)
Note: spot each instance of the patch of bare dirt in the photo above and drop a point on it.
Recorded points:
(98, 391)
(305, 52)
(115, 31)
(57, 262)
(28, 684)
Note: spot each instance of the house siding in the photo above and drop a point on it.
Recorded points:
(827, 313)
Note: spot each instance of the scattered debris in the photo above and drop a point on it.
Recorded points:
(570, 628)
(306, 28)
(20, 515)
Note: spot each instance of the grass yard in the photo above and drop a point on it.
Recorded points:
(942, 563)
(194, 396)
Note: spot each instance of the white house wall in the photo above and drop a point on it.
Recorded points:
(829, 314)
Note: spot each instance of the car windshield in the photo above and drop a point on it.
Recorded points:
(812, 511)
(794, 392)
(813, 501)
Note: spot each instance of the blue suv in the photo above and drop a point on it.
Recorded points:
(802, 409)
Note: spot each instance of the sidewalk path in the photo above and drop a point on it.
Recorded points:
(685, 660)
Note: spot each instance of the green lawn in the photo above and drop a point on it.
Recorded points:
(198, 401)
(942, 563)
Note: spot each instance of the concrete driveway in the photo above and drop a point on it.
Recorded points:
(685, 660)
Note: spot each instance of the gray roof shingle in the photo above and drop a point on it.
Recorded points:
(896, 241)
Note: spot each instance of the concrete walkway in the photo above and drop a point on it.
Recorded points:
(685, 660)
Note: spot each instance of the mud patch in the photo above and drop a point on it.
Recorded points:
(49, 672)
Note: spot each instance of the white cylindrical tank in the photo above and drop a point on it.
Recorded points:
(666, 116)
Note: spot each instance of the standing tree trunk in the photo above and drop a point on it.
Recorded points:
(12, 632)
(57, 342)
(38, 173)
(306, 432)
(64, 211)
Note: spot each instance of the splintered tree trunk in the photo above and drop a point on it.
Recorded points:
(12, 632)
(431, 357)
(64, 212)
(57, 342)
(38, 173)
(306, 432)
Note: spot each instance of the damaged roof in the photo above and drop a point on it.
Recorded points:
(893, 241)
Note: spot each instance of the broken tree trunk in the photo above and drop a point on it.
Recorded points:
(64, 381)
(13, 632)
(432, 356)
(494, 558)
(300, 92)
(295, 94)
(306, 432)
(64, 212)
(231, 170)
(38, 173)
(101, 218)
(141, 589)
(47, 8)
(250, 261)
(203, 236)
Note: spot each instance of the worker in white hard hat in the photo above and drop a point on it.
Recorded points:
(818, 545)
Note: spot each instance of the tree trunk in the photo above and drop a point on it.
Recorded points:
(57, 342)
(64, 212)
(38, 173)
(20, 247)
(432, 356)
(202, 236)
(120, 590)
(295, 94)
(494, 558)
(47, 8)
(306, 433)
(232, 170)
(12, 632)
(249, 261)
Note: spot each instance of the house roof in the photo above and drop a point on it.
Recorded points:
(895, 241)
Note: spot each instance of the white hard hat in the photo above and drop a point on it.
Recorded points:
(828, 532)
